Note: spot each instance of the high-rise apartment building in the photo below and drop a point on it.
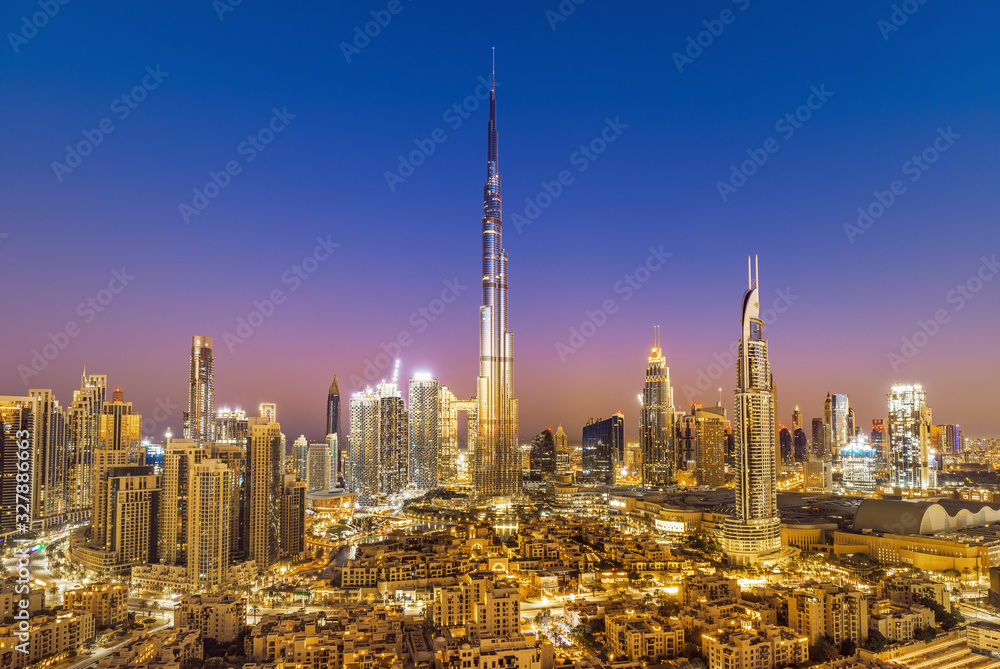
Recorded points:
(50, 462)
(293, 517)
(199, 419)
(821, 439)
(268, 411)
(120, 429)
(209, 517)
(84, 424)
(562, 451)
(179, 459)
(235, 458)
(378, 443)
(858, 461)
(603, 448)
(317, 468)
(702, 434)
(656, 422)
(265, 466)
(17, 426)
(909, 443)
(424, 432)
(497, 470)
(835, 414)
(880, 439)
(300, 450)
(755, 529)
(231, 427)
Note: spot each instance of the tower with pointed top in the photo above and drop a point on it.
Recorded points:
(333, 425)
(656, 421)
(199, 419)
(497, 471)
(755, 528)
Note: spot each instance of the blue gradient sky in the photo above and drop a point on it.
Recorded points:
(656, 185)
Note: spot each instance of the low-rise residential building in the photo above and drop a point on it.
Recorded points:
(702, 587)
(983, 638)
(770, 647)
(828, 610)
(899, 623)
(166, 649)
(48, 637)
(221, 618)
(108, 602)
(479, 604)
(636, 637)
(345, 636)
(909, 591)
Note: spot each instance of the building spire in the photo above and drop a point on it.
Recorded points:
(494, 79)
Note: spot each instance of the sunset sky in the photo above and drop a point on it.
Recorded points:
(897, 115)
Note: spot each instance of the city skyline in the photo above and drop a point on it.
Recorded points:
(793, 216)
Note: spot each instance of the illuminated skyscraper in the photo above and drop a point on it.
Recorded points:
(562, 451)
(879, 439)
(300, 447)
(909, 442)
(656, 422)
(425, 432)
(268, 410)
(378, 443)
(316, 470)
(448, 436)
(755, 529)
(497, 471)
(603, 448)
(835, 414)
(293, 516)
(84, 424)
(120, 429)
(17, 425)
(210, 514)
(50, 464)
(858, 461)
(333, 422)
(199, 419)
(265, 466)
(231, 427)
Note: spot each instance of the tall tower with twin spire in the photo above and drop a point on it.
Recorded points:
(755, 529)
(497, 471)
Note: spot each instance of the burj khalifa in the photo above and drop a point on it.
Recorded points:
(497, 469)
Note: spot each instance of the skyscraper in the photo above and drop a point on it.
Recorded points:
(497, 471)
(265, 478)
(231, 427)
(199, 419)
(50, 462)
(300, 447)
(835, 414)
(542, 453)
(879, 441)
(84, 423)
(378, 443)
(909, 443)
(755, 529)
(17, 425)
(293, 517)
(448, 435)
(333, 421)
(562, 451)
(656, 421)
(425, 432)
(268, 410)
(210, 513)
(603, 448)
(316, 471)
